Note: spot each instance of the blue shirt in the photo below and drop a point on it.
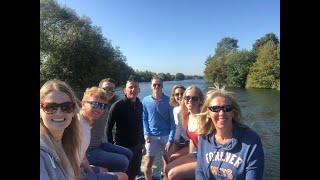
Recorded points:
(158, 117)
(241, 158)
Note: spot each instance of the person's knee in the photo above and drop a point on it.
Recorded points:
(148, 163)
(129, 154)
(124, 163)
(122, 176)
(173, 175)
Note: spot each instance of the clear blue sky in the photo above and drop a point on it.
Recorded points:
(178, 35)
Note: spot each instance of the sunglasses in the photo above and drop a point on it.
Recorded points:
(159, 85)
(109, 89)
(178, 94)
(226, 108)
(193, 98)
(97, 105)
(51, 108)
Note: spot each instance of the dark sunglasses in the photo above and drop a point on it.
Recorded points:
(226, 108)
(97, 105)
(51, 108)
(159, 85)
(178, 94)
(193, 98)
(109, 89)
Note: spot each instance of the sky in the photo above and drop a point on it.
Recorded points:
(177, 36)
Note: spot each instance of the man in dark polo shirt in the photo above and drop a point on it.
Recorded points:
(126, 114)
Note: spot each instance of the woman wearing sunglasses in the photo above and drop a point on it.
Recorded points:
(184, 166)
(59, 132)
(180, 146)
(227, 148)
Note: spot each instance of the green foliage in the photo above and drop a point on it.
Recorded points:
(237, 68)
(259, 68)
(226, 45)
(215, 71)
(73, 50)
(265, 72)
(269, 38)
(179, 76)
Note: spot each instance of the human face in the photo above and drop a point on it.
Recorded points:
(131, 90)
(178, 93)
(221, 120)
(192, 100)
(89, 111)
(156, 86)
(57, 121)
(110, 89)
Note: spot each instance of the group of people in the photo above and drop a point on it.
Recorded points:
(105, 137)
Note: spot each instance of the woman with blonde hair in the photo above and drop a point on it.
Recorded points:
(59, 132)
(227, 148)
(184, 166)
(180, 146)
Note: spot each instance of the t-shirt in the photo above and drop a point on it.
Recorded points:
(180, 131)
(86, 136)
(192, 130)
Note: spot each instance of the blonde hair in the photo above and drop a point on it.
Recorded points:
(95, 91)
(173, 101)
(206, 125)
(183, 109)
(71, 137)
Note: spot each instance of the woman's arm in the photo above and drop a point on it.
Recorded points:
(255, 167)
(192, 147)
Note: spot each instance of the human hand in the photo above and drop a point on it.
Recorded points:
(103, 169)
(143, 150)
(148, 139)
(167, 147)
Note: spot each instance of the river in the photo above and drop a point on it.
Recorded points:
(261, 111)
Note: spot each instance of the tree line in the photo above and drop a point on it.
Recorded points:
(258, 68)
(75, 51)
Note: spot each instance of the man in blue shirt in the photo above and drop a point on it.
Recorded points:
(158, 124)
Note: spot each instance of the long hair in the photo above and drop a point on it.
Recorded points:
(206, 125)
(71, 137)
(183, 108)
(173, 101)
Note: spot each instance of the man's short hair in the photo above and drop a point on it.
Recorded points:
(94, 91)
(111, 80)
(156, 77)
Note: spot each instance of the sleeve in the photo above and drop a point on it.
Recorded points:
(199, 168)
(112, 117)
(142, 140)
(43, 171)
(146, 130)
(172, 124)
(255, 167)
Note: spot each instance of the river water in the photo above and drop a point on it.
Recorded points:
(261, 111)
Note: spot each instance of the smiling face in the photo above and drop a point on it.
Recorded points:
(89, 111)
(131, 90)
(110, 89)
(221, 120)
(178, 93)
(59, 120)
(192, 100)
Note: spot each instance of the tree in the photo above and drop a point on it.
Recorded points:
(179, 76)
(265, 72)
(215, 71)
(269, 38)
(73, 50)
(237, 68)
(226, 44)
